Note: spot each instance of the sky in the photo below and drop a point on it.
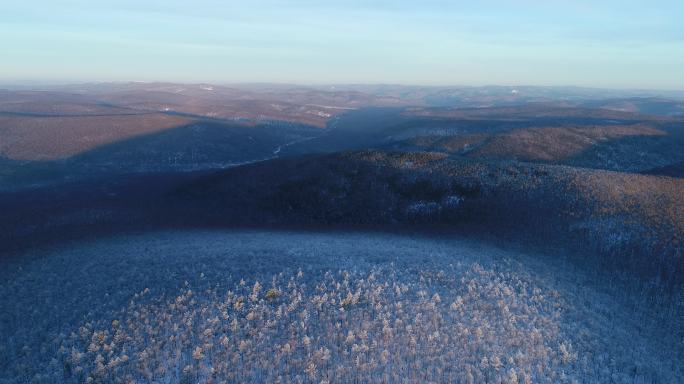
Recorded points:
(596, 43)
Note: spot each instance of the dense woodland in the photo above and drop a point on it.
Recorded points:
(190, 233)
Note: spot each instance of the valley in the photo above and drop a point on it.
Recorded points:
(293, 227)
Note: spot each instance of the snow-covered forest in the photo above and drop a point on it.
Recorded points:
(293, 307)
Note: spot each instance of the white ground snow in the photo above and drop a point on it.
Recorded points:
(322, 308)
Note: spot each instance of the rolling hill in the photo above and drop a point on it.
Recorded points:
(502, 236)
(628, 221)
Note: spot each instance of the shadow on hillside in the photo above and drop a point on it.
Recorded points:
(631, 154)
(620, 221)
(201, 145)
(551, 207)
(388, 127)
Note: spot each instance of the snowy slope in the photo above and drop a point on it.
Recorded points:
(328, 307)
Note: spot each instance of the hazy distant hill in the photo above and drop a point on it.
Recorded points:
(61, 121)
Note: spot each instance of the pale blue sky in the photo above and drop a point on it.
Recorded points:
(600, 43)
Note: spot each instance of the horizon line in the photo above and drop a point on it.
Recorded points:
(52, 84)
